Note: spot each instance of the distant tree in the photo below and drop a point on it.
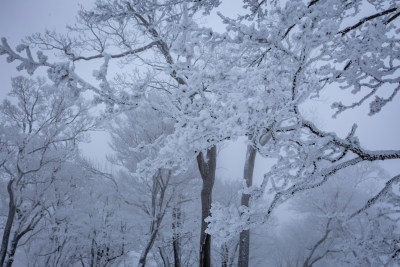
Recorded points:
(322, 230)
(40, 132)
(225, 194)
(158, 193)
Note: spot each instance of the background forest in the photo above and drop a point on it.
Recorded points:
(192, 101)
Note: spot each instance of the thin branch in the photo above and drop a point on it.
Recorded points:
(353, 146)
(126, 53)
(381, 193)
(362, 21)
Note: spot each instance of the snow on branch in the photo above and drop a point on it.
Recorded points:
(120, 55)
(364, 20)
(27, 63)
(386, 190)
(352, 144)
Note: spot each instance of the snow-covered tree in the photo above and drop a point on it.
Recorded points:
(160, 34)
(320, 228)
(288, 52)
(252, 80)
(156, 193)
(40, 132)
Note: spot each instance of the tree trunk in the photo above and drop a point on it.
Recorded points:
(13, 248)
(207, 166)
(176, 227)
(18, 234)
(142, 260)
(224, 255)
(92, 256)
(244, 241)
(164, 257)
(9, 223)
(157, 213)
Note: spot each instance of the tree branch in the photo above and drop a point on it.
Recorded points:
(362, 21)
(126, 53)
(381, 193)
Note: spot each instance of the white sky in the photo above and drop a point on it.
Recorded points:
(19, 18)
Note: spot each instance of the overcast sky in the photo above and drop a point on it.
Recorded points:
(19, 18)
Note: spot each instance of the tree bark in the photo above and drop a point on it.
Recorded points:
(13, 248)
(9, 223)
(176, 227)
(18, 234)
(92, 256)
(244, 241)
(207, 166)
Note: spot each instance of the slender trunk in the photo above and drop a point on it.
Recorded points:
(244, 241)
(9, 223)
(158, 196)
(224, 255)
(143, 256)
(18, 234)
(92, 256)
(164, 257)
(232, 257)
(207, 168)
(177, 252)
(176, 227)
(13, 248)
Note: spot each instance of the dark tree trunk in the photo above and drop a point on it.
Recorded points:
(244, 241)
(224, 255)
(176, 227)
(16, 238)
(13, 248)
(92, 249)
(9, 223)
(207, 166)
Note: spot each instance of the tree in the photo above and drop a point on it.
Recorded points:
(135, 137)
(294, 51)
(164, 28)
(305, 36)
(41, 132)
(320, 229)
(252, 80)
(225, 194)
